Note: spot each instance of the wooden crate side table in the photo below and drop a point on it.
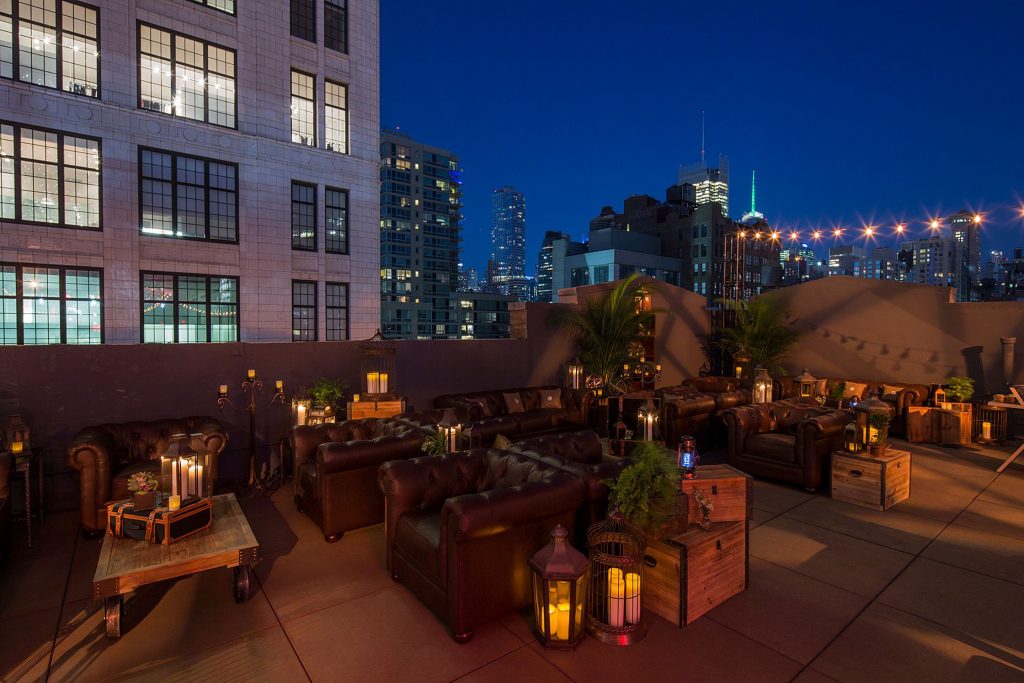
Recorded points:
(688, 575)
(380, 409)
(938, 425)
(869, 481)
(731, 490)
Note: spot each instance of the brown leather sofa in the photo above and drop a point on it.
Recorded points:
(695, 408)
(335, 469)
(899, 395)
(486, 414)
(785, 440)
(579, 453)
(461, 527)
(106, 455)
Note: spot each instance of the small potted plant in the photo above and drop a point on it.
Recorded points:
(327, 396)
(434, 444)
(960, 390)
(145, 490)
(647, 492)
(837, 393)
(879, 422)
(706, 505)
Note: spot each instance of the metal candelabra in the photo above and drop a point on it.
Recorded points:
(251, 385)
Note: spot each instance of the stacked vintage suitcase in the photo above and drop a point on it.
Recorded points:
(688, 574)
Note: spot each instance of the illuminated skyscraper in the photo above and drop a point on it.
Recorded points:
(753, 215)
(545, 266)
(966, 230)
(508, 242)
(711, 184)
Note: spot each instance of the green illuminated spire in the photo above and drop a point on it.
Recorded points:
(753, 190)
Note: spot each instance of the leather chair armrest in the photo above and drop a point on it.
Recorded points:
(335, 456)
(479, 515)
(740, 422)
(913, 395)
(825, 426)
(91, 454)
(304, 442)
(214, 439)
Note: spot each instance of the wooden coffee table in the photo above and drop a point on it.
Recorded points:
(126, 564)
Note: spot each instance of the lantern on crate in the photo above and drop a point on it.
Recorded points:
(16, 431)
(807, 382)
(450, 430)
(185, 472)
(762, 386)
(686, 457)
(560, 574)
(940, 397)
(851, 442)
(647, 419)
(614, 613)
(378, 371)
(869, 429)
(575, 374)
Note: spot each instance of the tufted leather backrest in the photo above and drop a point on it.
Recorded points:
(138, 441)
(581, 447)
(714, 384)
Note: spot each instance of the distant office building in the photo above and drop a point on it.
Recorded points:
(751, 265)
(1002, 278)
(846, 260)
(420, 215)
(508, 242)
(929, 262)
(752, 216)
(468, 280)
(610, 254)
(483, 315)
(544, 264)
(966, 231)
(881, 264)
(711, 185)
(799, 264)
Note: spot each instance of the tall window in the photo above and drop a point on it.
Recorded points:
(56, 44)
(303, 216)
(337, 311)
(189, 197)
(49, 177)
(303, 310)
(303, 106)
(185, 77)
(189, 308)
(336, 221)
(336, 116)
(227, 6)
(303, 19)
(50, 305)
(336, 25)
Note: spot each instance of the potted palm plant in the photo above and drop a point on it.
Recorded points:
(759, 334)
(605, 327)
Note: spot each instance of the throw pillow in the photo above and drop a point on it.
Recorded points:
(891, 389)
(485, 408)
(821, 387)
(513, 402)
(550, 398)
(855, 390)
(501, 442)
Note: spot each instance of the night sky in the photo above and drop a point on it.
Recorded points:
(871, 112)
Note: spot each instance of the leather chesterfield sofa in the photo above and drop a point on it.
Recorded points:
(485, 414)
(335, 469)
(785, 440)
(105, 456)
(899, 395)
(695, 408)
(460, 528)
(6, 465)
(580, 454)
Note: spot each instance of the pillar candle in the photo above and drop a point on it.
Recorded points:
(383, 382)
(279, 385)
(986, 430)
(616, 600)
(300, 414)
(174, 502)
(174, 480)
(632, 598)
(251, 374)
(872, 435)
(355, 398)
(183, 474)
(552, 621)
(563, 621)
(739, 372)
(18, 447)
(223, 390)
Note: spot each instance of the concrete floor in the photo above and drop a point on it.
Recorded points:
(932, 589)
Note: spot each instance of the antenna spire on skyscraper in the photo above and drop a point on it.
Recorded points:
(753, 191)
(702, 136)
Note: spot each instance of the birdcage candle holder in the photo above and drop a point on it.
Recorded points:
(614, 600)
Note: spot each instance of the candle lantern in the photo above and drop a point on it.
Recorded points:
(575, 374)
(378, 371)
(868, 433)
(940, 397)
(686, 456)
(185, 472)
(851, 443)
(560, 574)
(614, 613)
(741, 363)
(807, 382)
(647, 419)
(450, 430)
(762, 386)
(16, 431)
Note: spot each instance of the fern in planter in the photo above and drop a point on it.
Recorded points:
(960, 389)
(434, 444)
(646, 490)
(328, 392)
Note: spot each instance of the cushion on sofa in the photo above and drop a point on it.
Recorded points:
(513, 402)
(854, 390)
(550, 398)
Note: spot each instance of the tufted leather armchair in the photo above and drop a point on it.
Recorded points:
(581, 454)
(459, 529)
(685, 408)
(785, 440)
(335, 469)
(486, 414)
(105, 456)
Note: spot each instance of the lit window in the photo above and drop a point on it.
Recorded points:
(185, 77)
(303, 104)
(59, 177)
(54, 49)
(336, 221)
(227, 6)
(189, 197)
(337, 311)
(303, 216)
(336, 25)
(189, 308)
(336, 116)
(303, 310)
(50, 305)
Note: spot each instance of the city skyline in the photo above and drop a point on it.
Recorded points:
(837, 138)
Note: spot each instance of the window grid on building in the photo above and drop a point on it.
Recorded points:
(303, 216)
(303, 108)
(335, 221)
(187, 197)
(187, 308)
(226, 6)
(336, 25)
(303, 19)
(51, 47)
(50, 305)
(49, 177)
(303, 310)
(186, 77)
(336, 116)
(337, 311)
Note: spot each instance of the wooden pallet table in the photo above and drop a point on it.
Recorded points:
(126, 564)
(1018, 404)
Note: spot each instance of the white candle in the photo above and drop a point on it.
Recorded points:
(174, 502)
(616, 600)
(552, 621)
(174, 481)
(223, 390)
(301, 414)
(563, 621)
(986, 430)
(632, 598)
(183, 473)
(383, 382)
(250, 374)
